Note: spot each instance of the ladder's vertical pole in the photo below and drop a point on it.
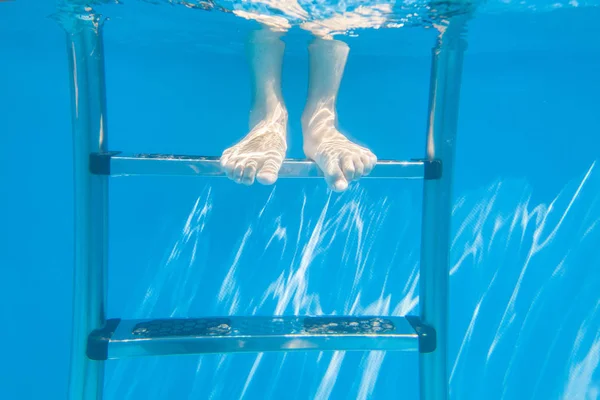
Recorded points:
(437, 204)
(88, 107)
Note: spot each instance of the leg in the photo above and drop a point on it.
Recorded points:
(262, 151)
(340, 159)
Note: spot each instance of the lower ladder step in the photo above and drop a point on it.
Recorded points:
(131, 338)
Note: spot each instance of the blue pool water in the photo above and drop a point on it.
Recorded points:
(525, 308)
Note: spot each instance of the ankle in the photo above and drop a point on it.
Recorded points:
(319, 109)
(269, 113)
(310, 148)
(305, 120)
(318, 122)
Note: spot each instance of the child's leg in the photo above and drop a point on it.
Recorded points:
(340, 159)
(262, 151)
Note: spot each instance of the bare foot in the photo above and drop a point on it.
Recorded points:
(260, 154)
(340, 159)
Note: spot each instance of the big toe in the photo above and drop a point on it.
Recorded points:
(348, 167)
(269, 171)
(333, 175)
(339, 185)
(266, 178)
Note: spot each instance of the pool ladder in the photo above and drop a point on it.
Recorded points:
(96, 339)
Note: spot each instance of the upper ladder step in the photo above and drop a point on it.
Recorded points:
(119, 164)
(130, 338)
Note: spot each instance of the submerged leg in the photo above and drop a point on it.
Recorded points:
(260, 154)
(340, 159)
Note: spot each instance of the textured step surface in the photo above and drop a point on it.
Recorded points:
(130, 338)
(119, 164)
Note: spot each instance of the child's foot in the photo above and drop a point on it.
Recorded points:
(340, 159)
(260, 154)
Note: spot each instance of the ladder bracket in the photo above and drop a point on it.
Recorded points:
(432, 169)
(427, 336)
(100, 162)
(98, 340)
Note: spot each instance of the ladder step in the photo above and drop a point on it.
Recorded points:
(119, 164)
(132, 338)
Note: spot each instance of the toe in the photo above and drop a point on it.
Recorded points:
(238, 172)
(373, 159)
(226, 153)
(335, 177)
(227, 166)
(340, 185)
(348, 167)
(267, 175)
(368, 165)
(249, 173)
(359, 167)
(266, 178)
(226, 158)
(223, 161)
(370, 161)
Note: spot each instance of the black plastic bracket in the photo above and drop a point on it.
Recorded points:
(100, 162)
(427, 335)
(97, 344)
(433, 169)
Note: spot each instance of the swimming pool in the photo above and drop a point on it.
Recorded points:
(524, 306)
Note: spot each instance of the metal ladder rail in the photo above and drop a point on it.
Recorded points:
(88, 113)
(90, 151)
(446, 74)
